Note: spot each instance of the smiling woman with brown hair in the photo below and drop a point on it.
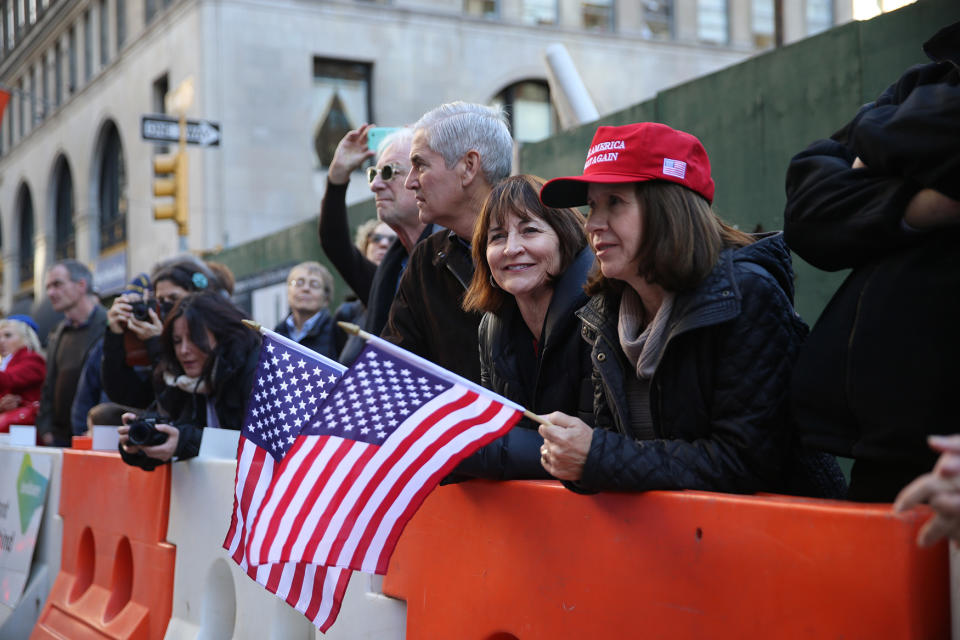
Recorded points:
(531, 263)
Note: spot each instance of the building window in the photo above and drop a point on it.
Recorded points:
(34, 81)
(819, 16)
(713, 24)
(161, 86)
(58, 74)
(483, 8)
(121, 23)
(762, 23)
(112, 193)
(658, 19)
(149, 10)
(72, 60)
(25, 223)
(539, 12)
(87, 46)
(63, 212)
(44, 88)
(529, 110)
(341, 102)
(9, 25)
(104, 33)
(597, 14)
(22, 115)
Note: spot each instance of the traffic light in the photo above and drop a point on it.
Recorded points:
(170, 179)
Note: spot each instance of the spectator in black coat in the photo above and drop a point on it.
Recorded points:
(691, 326)
(531, 264)
(882, 197)
(309, 289)
(205, 374)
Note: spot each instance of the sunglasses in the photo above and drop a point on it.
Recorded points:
(387, 173)
(377, 238)
(312, 283)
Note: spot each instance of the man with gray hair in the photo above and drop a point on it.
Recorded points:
(458, 153)
(69, 286)
(374, 285)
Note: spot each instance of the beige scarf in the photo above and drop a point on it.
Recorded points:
(642, 342)
(186, 383)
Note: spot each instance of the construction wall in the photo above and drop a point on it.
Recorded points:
(753, 117)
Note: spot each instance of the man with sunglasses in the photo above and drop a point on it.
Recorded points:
(374, 285)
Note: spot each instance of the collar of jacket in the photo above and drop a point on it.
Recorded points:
(568, 296)
(944, 46)
(715, 300)
(453, 254)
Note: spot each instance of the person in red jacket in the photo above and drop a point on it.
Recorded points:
(22, 371)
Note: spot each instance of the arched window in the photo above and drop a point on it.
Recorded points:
(63, 211)
(528, 106)
(25, 225)
(112, 189)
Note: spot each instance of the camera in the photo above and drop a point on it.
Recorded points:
(143, 432)
(140, 309)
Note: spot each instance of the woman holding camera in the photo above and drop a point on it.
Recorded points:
(135, 323)
(691, 326)
(207, 363)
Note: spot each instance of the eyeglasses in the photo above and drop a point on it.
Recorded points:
(313, 283)
(377, 238)
(387, 173)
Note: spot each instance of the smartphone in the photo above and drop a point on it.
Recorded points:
(375, 136)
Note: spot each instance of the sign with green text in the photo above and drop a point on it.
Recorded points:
(23, 489)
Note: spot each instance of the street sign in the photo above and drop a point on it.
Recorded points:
(159, 128)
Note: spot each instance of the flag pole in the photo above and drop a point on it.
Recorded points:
(250, 324)
(355, 330)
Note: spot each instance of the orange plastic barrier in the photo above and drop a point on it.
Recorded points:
(530, 560)
(116, 576)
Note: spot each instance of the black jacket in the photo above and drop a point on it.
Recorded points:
(717, 396)
(123, 384)
(427, 317)
(560, 380)
(877, 374)
(321, 337)
(232, 376)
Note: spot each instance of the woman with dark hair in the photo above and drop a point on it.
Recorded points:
(691, 327)
(135, 322)
(205, 373)
(531, 263)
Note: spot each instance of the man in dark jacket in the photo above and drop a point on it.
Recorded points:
(459, 151)
(374, 285)
(69, 286)
(309, 289)
(882, 196)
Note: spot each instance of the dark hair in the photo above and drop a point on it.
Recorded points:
(520, 195)
(681, 241)
(211, 312)
(188, 273)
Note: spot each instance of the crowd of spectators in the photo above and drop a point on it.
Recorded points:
(658, 345)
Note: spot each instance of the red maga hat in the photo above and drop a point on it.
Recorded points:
(635, 153)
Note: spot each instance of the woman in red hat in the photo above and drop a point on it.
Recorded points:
(691, 326)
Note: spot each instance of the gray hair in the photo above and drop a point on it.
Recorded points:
(76, 270)
(455, 128)
(402, 136)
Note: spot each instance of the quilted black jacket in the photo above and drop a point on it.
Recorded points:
(718, 396)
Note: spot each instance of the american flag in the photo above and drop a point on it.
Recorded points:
(675, 168)
(393, 427)
(291, 382)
